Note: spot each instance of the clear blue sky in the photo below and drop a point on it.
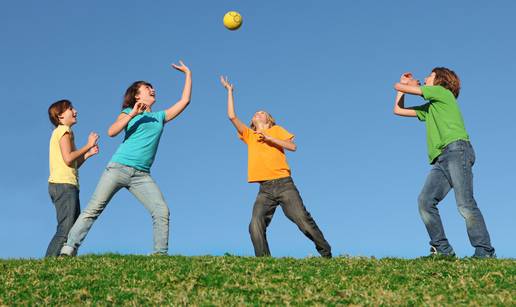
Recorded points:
(324, 69)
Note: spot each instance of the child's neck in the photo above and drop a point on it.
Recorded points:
(261, 127)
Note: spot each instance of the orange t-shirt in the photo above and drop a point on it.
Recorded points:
(266, 161)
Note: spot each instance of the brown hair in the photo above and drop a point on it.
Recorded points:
(448, 79)
(270, 121)
(56, 109)
(131, 92)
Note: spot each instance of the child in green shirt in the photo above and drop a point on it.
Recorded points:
(451, 155)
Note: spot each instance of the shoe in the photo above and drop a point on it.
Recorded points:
(68, 251)
(488, 256)
(435, 254)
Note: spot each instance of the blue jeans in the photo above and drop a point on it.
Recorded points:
(452, 169)
(66, 200)
(141, 185)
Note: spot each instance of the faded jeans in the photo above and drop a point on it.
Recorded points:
(142, 186)
(66, 201)
(452, 169)
(282, 192)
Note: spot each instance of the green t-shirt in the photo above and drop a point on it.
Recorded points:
(444, 123)
(142, 135)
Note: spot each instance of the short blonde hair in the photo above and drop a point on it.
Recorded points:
(270, 121)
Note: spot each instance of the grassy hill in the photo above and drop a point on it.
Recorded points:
(231, 280)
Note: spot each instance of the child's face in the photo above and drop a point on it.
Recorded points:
(68, 117)
(260, 117)
(146, 94)
(430, 79)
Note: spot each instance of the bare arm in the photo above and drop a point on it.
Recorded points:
(93, 151)
(70, 154)
(123, 119)
(408, 89)
(239, 125)
(399, 106)
(180, 105)
(287, 144)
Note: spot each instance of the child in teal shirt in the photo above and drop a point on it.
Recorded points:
(451, 155)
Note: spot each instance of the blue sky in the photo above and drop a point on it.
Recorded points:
(324, 69)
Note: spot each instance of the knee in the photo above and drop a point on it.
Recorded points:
(468, 210)
(425, 202)
(256, 226)
(161, 211)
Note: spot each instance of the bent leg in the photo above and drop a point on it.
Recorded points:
(293, 207)
(435, 189)
(112, 180)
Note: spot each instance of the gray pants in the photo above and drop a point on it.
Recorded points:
(283, 192)
(66, 200)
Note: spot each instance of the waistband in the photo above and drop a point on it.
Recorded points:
(459, 144)
(276, 181)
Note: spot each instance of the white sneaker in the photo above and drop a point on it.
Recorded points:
(68, 251)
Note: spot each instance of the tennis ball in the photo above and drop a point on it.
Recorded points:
(232, 20)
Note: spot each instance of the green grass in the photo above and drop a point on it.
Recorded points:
(231, 280)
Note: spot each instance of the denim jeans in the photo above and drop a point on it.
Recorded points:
(452, 169)
(273, 193)
(141, 185)
(66, 201)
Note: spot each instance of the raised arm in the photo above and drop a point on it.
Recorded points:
(239, 125)
(399, 106)
(123, 119)
(408, 85)
(70, 154)
(180, 105)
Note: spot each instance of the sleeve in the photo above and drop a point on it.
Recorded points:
(162, 115)
(421, 111)
(245, 135)
(281, 133)
(433, 92)
(61, 130)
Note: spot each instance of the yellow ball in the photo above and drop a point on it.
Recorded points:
(232, 20)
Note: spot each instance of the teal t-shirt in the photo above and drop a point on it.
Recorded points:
(142, 135)
(444, 123)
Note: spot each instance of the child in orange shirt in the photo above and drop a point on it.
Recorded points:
(267, 165)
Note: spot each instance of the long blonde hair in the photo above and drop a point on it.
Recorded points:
(270, 121)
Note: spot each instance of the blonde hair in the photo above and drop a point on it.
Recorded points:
(270, 121)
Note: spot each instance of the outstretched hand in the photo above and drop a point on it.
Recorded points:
(181, 67)
(225, 83)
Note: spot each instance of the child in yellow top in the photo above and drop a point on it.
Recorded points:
(64, 160)
(267, 165)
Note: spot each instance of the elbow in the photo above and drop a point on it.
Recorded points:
(397, 86)
(111, 133)
(68, 162)
(293, 147)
